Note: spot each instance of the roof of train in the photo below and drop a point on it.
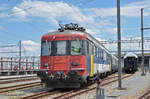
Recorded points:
(89, 36)
(130, 55)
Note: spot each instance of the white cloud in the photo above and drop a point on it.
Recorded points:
(99, 39)
(19, 12)
(130, 10)
(128, 46)
(92, 31)
(51, 11)
(93, 20)
(51, 30)
(31, 46)
(3, 15)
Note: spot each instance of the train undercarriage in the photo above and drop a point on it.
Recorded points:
(73, 80)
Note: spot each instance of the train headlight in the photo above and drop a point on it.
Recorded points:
(46, 65)
(74, 63)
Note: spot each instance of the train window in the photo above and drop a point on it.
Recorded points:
(99, 53)
(107, 57)
(104, 55)
(61, 48)
(95, 51)
(88, 46)
(76, 47)
(46, 48)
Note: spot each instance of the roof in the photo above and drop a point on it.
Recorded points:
(130, 55)
(89, 36)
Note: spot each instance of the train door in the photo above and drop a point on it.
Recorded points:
(88, 56)
(92, 59)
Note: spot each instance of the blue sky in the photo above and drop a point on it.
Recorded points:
(28, 20)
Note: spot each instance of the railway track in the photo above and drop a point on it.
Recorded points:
(41, 94)
(146, 95)
(72, 93)
(16, 78)
(20, 79)
(93, 87)
(20, 86)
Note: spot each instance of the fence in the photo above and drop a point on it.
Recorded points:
(15, 63)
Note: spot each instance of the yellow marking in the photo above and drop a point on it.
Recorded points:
(92, 62)
(110, 63)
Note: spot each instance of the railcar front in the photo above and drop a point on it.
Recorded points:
(63, 54)
(130, 63)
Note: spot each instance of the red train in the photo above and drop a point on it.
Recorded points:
(73, 57)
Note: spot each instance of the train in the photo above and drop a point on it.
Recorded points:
(130, 63)
(71, 57)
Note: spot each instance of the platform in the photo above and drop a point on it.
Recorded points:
(17, 72)
(132, 87)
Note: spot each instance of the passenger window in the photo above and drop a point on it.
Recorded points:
(95, 51)
(98, 53)
(102, 54)
(87, 43)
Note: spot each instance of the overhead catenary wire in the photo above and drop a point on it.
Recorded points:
(20, 11)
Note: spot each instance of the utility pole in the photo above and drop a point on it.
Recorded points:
(119, 44)
(142, 34)
(20, 55)
(142, 42)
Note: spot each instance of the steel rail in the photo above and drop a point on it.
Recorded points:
(41, 94)
(146, 95)
(19, 80)
(44, 94)
(17, 87)
(16, 77)
(65, 96)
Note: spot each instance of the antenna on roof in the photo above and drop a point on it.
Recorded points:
(71, 26)
(61, 29)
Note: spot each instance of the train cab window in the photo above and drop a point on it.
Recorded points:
(46, 48)
(61, 48)
(76, 47)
